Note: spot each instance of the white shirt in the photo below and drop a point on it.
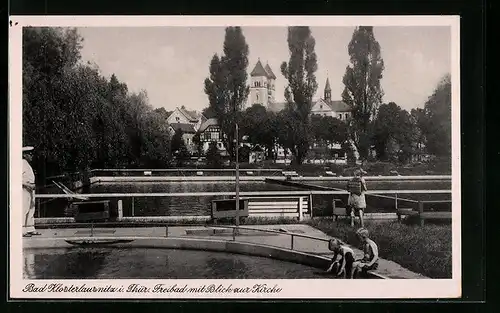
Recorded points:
(28, 174)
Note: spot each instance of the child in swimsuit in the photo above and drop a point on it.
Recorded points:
(370, 254)
(343, 266)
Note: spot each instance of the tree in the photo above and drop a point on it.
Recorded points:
(226, 87)
(437, 129)
(419, 121)
(258, 124)
(76, 118)
(208, 112)
(362, 84)
(163, 112)
(213, 156)
(178, 147)
(394, 133)
(198, 142)
(327, 131)
(300, 73)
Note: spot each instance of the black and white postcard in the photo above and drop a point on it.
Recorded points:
(235, 157)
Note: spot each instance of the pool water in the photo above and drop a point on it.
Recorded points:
(145, 263)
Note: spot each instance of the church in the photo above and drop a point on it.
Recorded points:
(263, 91)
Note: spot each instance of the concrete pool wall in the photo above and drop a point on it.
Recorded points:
(235, 247)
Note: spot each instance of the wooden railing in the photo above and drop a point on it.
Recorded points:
(267, 202)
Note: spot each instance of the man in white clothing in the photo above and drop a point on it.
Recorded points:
(28, 194)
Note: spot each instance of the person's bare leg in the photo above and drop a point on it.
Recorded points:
(361, 219)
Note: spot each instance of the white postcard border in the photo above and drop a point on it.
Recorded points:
(291, 288)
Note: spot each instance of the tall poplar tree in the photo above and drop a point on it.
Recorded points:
(227, 88)
(300, 73)
(362, 84)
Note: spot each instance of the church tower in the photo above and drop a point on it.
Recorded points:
(262, 85)
(328, 91)
(271, 80)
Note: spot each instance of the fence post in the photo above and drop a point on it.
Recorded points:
(133, 200)
(396, 202)
(91, 229)
(38, 207)
(120, 210)
(234, 233)
(292, 242)
(420, 211)
(166, 230)
(310, 205)
(300, 208)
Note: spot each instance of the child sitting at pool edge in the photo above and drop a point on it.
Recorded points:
(343, 266)
(370, 254)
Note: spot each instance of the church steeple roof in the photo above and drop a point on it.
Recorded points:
(327, 85)
(259, 70)
(269, 71)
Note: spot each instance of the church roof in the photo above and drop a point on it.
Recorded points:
(327, 86)
(269, 71)
(259, 70)
(338, 106)
(335, 106)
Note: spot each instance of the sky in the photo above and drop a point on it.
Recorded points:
(171, 63)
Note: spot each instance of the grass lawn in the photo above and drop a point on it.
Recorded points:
(425, 250)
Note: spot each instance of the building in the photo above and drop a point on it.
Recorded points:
(327, 107)
(188, 122)
(262, 85)
(184, 116)
(188, 133)
(263, 91)
(210, 131)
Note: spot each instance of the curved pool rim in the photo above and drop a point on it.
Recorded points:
(213, 245)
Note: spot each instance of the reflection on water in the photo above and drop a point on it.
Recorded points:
(111, 263)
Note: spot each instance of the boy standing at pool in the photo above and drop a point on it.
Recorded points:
(370, 254)
(344, 265)
(357, 201)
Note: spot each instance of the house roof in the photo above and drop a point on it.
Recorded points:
(259, 70)
(208, 123)
(192, 116)
(203, 118)
(269, 71)
(185, 128)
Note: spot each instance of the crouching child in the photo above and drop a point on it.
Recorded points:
(344, 265)
(370, 254)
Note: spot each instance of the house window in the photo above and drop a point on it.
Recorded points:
(214, 136)
(177, 119)
(321, 106)
(340, 116)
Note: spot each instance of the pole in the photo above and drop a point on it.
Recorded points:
(237, 181)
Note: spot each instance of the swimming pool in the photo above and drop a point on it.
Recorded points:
(200, 205)
(150, 263)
